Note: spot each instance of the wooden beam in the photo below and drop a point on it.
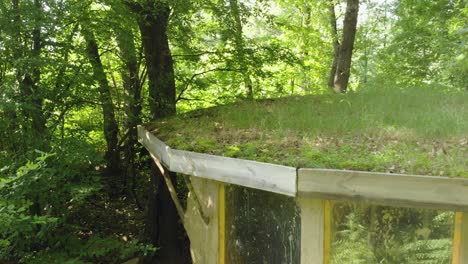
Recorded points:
(464, 240)
(460, 239)
(384, 188)
(258, 175)
(196, 200)
(155, 146)
(312, 231)
(328, 231)
(221, 224)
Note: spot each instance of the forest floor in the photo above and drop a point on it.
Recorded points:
(415, 131)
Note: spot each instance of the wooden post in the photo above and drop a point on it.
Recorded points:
(221, 223)
(327, 216)
(460, 239)
(315, 231)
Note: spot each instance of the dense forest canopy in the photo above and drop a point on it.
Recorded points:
(78, 76)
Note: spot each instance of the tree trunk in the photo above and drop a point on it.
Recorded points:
(163, 223)
(240, 47)
(37, 114)
(29, 77)
(111, 128)
(336, 44)
(153, 21)
(343, 67)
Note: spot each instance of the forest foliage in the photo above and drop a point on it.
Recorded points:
(76, 77)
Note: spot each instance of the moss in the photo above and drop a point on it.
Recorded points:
(204, 145)
(232, 151)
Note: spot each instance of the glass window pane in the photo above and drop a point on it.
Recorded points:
(371, 234)
(261, 227)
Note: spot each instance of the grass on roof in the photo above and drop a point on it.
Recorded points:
(417, 131)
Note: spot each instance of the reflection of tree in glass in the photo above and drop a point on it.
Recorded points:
(262, 227)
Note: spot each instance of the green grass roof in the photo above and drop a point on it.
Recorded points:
(417, 131)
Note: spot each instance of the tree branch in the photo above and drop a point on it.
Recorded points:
(179, 97)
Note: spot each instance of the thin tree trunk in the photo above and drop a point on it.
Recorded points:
(31, 83)
(306, 21)
(343, 67)
(336, 44)
(18, 53)
(132, 98)
(110, 128)
(59, 82)
(366, 58)
(28, 78)
(240, 47)
(37, 101)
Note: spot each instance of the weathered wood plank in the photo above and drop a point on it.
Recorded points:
(263, 176)
(154, 145)
(386, 189)
(258, 175)
(204, 238)
(196, 200)
(327, 232)
(464, 240)
(460, 239)
(312, 230)
(221, 224)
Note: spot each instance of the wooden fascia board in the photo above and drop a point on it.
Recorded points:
(253, 174)
(385, 188)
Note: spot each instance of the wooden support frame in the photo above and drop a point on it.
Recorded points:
(460, 239)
